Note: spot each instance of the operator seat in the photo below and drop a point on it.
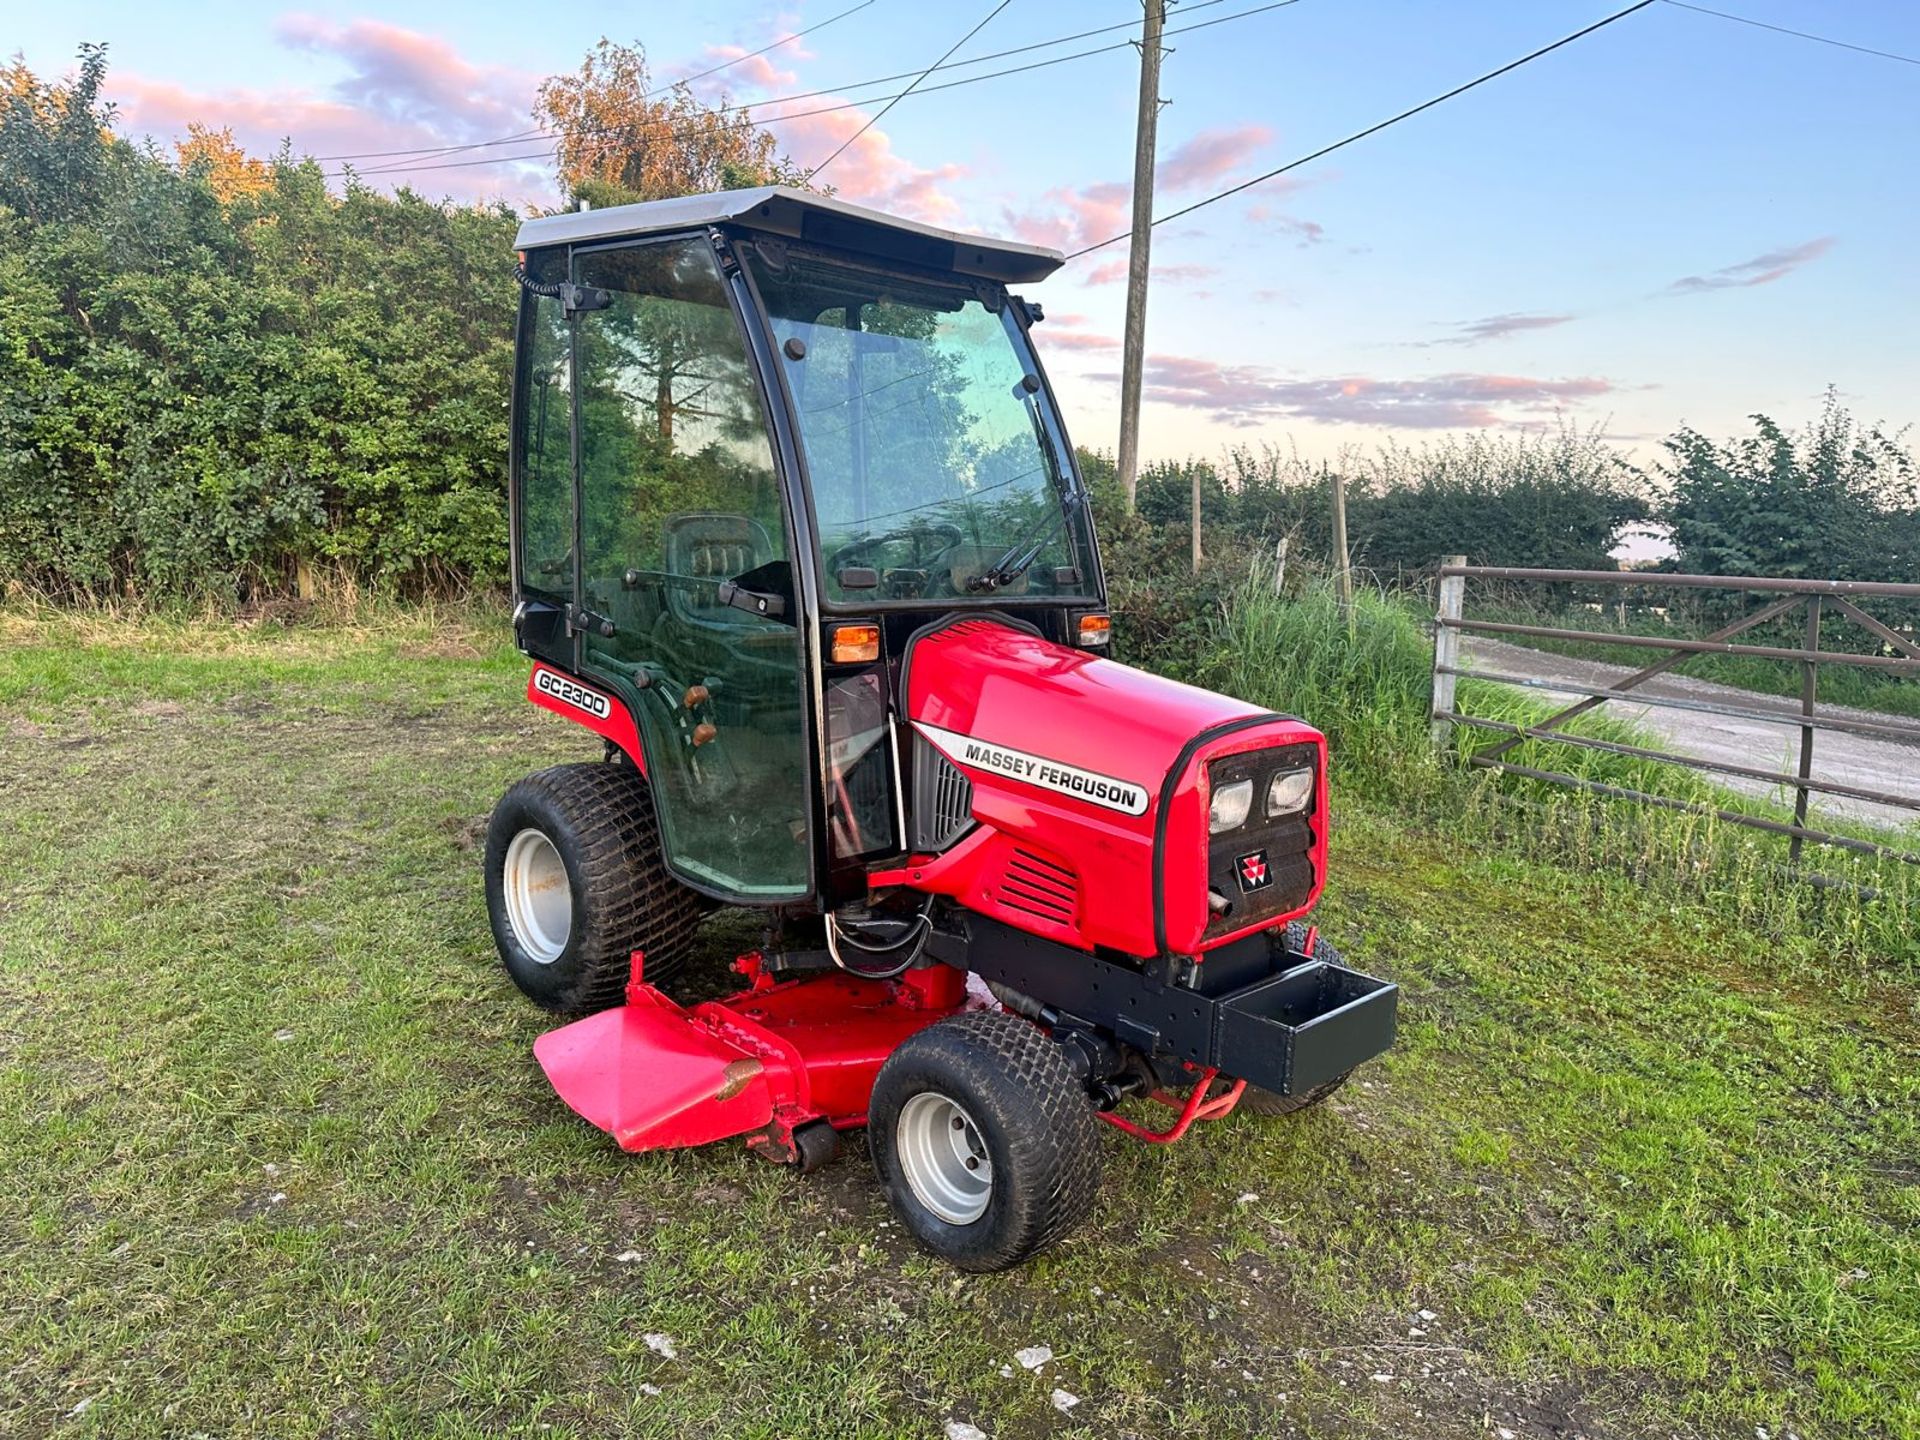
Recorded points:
(709, 547)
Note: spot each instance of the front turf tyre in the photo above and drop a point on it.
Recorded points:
(985, 1140)
(576, 883)
(1255, 1101)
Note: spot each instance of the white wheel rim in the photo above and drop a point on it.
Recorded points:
(943, 1157)
(539, 900)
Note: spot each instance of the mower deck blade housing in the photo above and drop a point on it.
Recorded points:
(653, 1077)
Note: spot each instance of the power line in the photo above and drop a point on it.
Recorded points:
(1373, 129)
(875, 118)
(683, 80)
(830, 90)
(667, 129)
(1797, 34)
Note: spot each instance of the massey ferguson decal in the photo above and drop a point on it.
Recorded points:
(1102, 790)
(1254, 871)
(571, 692)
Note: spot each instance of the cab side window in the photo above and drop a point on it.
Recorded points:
(679, 498)
(543, 443)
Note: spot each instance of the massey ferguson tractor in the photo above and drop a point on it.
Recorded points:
(797, 531)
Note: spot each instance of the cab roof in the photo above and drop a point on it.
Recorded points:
(805, 216)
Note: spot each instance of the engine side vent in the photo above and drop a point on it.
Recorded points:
(942, 799)
(1042, 888)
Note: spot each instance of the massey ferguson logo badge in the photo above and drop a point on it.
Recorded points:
(1255, 873)
(1103, 790)
(568, 692)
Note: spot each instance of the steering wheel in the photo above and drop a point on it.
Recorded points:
(919, 534)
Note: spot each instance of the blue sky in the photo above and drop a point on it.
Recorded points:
(1676, 220)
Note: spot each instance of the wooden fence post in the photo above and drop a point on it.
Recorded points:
(1280, 563)
(1342, 561)
(1446, 649)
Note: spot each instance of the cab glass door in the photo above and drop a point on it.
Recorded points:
(685, 559)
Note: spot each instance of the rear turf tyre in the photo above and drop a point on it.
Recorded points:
(575, 884)
(985, 1140)
(1255, 1101)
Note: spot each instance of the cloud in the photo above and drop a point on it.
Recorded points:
(1210, 156)
(406, 76)
(1760, 270)
(1051, 339)
(1497, 327)
(1113, 272)
(754, 73)
(402, 90)
(870, 171)
(1308, 232)
(1246, 395)
(1071, 218)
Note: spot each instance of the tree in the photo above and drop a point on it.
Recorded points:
(622, 140)
(1837, 502)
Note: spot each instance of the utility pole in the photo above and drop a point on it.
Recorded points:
(1139, 248)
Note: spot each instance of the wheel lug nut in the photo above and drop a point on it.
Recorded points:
(972, 1163)
(958, 1123)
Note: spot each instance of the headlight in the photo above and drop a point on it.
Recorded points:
(1230, 806)
(1288, 791)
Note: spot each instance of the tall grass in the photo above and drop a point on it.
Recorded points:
(1364, 678)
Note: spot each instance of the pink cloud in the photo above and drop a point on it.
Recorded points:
(1071, 218)
(1246, 395)
(403, 91)
(411, 77)
(1076, 340)
(869, 171)
(1068, 218)
(1113, 272)
(755, 73)
(1210, 156)
(1760, 270)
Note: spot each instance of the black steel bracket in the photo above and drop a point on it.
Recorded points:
(1293, 1024)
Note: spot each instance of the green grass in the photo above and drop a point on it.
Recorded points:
(281, 1164)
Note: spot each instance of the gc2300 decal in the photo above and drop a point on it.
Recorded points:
(1105, 791)
(556, 686)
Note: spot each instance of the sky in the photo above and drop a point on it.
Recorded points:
(1679, 220)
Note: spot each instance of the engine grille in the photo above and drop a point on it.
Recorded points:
(942, 799)
(1042, 888)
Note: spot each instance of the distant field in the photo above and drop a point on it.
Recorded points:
(281, 1164)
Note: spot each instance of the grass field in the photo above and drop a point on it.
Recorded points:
(280, 1162)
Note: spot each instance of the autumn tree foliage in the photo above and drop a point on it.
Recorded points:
(228, 170)
(623, 139)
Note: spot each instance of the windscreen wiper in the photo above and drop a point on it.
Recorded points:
(1020, 555)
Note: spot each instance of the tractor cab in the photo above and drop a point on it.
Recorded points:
(761, 438)
(798, 533)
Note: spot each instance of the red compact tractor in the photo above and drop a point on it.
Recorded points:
(797, 530)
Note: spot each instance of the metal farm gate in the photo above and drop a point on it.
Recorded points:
(1818, 601)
